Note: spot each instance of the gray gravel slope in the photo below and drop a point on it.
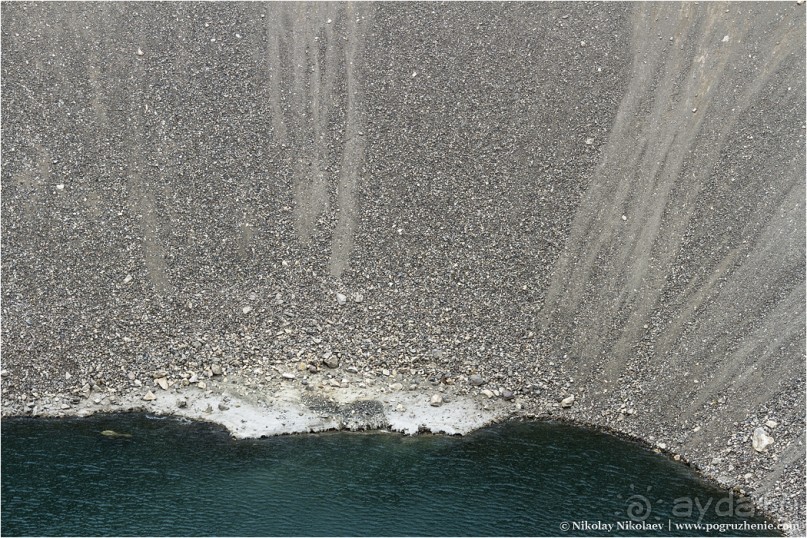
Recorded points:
(604, 200)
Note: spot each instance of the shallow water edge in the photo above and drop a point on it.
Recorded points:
(475, 422)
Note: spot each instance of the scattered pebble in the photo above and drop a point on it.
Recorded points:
(476, 380)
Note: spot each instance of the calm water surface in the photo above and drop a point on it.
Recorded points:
(62, 477)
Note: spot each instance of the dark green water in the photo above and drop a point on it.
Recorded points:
(62, 477)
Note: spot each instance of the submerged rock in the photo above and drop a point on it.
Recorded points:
(114, 434)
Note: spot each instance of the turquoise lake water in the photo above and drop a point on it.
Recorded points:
(62, 477)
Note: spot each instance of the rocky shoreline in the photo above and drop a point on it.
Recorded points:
(316, 396)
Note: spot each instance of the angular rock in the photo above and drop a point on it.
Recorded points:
(567, 402)
(216, 369)
(149, 397)
(332, 362)
(162, 382)
(488, 393)
(437, 400)
(476, 380)
(760, 440)
(288, 375)
(340, 298)
(508, 395)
